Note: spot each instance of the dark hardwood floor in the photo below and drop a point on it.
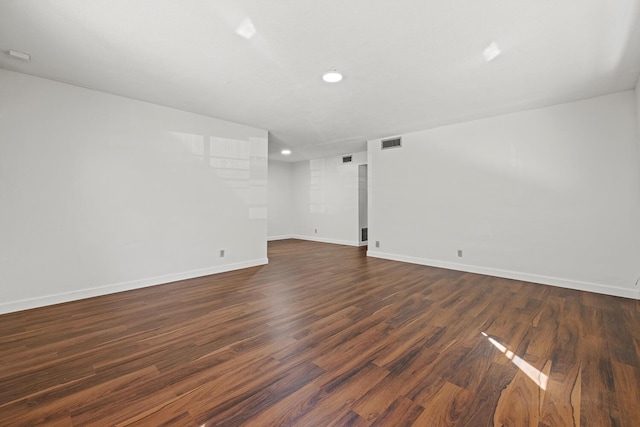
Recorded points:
(324, 336)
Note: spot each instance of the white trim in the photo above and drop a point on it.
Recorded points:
(526, 277)
(325, 240)
(282, 237)
(26, 304)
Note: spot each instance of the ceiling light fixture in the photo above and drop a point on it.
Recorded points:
(491, 52)
(332, 76)
(286, 152)
(20, 55)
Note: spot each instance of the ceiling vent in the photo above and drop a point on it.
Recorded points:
(347, 159)
(391, 143)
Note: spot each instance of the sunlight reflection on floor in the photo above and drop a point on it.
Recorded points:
(536, 376)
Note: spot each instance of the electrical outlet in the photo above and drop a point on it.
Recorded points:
(459, 253)
(377, 243)
(221, 253)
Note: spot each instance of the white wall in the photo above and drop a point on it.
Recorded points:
(100, 193)
(280, 200)
(638, 108)
(550, 196)
(326, 199)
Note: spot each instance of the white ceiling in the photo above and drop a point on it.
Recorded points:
(408, 65)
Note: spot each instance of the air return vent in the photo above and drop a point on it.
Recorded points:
(391, 143)
(346, 159)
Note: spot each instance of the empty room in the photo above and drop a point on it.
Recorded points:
(320, 213)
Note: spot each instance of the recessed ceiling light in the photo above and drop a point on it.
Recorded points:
(20, 55)
(332, 76)
(491, 52)
(286, 151)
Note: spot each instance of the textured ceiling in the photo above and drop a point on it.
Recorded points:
(408, 65)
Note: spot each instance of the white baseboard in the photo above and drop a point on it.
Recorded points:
(26, 304)
(325, 240)
(282, 237)
(525, 277)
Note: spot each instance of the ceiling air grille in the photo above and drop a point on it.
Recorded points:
(346, 159)
(391, 143)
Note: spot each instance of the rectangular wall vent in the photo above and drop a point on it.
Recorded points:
(365, 234)
(346, 159)
(391, 143)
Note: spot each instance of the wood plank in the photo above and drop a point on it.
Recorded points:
(627, 384)
(446, 406)
(325, 336)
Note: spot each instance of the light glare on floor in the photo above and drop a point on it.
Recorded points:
(534, 374)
